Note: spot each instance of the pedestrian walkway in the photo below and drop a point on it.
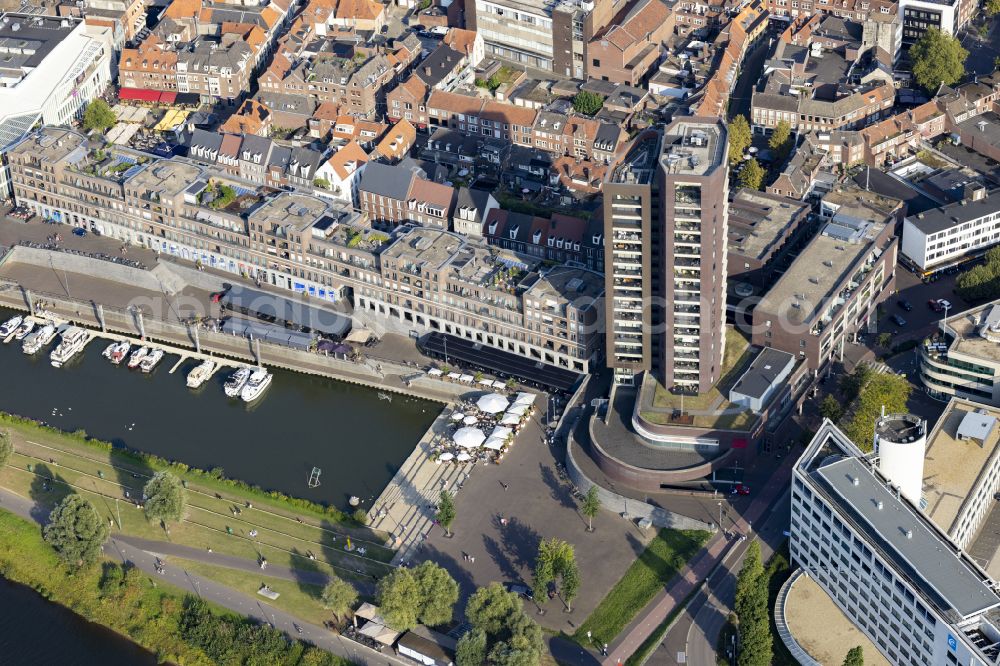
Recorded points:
(406, 507)
(697, 571)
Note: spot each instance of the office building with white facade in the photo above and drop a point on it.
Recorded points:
(948, 16)
(918, 597)
(944, 236)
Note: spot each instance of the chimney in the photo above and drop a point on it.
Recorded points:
(427, 70)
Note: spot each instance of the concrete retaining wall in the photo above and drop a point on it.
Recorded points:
(73, 263)
(634, 508)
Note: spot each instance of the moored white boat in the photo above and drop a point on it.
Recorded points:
(38, 339)
(107, 350)
(73, 340)
(136, 358)
(259, 380)
(120, 352)
(237, 381)
(9, 326)
(26, 327)
(148, 363)
(200, 374)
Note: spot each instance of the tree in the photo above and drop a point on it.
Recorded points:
(556, 563)
(855, 657)
(321, 183)
(98, 116)
(446, 511)
(587, 103)
(781, 139)
(740, 138)
(938, 59)
(76, 531)
(756, 642)
(424, 594)
(471, 649)
(590, 506)
(338, 597)
(438, 592)
(992, 7)
(831, 409)
(6, 448)
(878, 391)
(884, 340)
(751, 175)
(164, 497)
(490, 608)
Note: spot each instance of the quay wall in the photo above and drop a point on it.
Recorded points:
(396, 378)
(74, 263)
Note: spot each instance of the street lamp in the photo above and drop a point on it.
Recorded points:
(720, 517)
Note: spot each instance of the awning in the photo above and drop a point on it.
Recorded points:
(524, 399)
(379, 633)
(369, 611)
(139, 94)
(468, 379)
(168, 97)
(518, 410)
(495, 443)
(433, 372)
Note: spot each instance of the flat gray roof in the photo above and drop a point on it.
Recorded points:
(939, 219)
(906, 538)
(761, 374)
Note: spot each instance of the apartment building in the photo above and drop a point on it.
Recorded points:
(418, 277)
(764, 230)
(128, 15)
(560, 239)
(665, 230)
(917, 596)
(627, 50)
(857, 10)
(832, 289)
(393, 195)
(963, 359)
(940, 237)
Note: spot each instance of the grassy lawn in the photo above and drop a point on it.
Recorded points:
(284, 536)
(148, 612)
(300, 599)
(665, 555)
(734, 362)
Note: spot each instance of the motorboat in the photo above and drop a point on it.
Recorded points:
(200, 374)
(120, 352)
(136, 358)
(27, 326)
(110, 348)
(73, 340)
(259, 380)
(148, 363)
(38, 339)
(9, 326)
(237, 381)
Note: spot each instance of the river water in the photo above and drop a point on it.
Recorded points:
(301, 421)
(34, 631)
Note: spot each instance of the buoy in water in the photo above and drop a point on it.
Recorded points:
(354, 501)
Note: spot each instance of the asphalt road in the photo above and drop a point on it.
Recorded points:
(983, 50)
(122, 549)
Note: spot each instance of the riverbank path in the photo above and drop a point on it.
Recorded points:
(129, 550)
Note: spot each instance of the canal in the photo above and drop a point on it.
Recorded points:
(357, 439)
(34, 631)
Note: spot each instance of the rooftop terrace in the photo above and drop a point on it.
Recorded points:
(165, 177)
(967, 340)
(639, 164)
(757, 219)
(693, 148)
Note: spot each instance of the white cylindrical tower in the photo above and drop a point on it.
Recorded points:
(900, 442)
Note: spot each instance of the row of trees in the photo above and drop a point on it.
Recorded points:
(753, 621)
(982, 282)
(502, 633)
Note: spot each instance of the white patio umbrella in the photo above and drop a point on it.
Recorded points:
(518, 410)
(495, 443)
(510, 420)
(501, 432)
(525, 399)
(492, 403)
(447, 456)
(497, 384)
(470, 420)
(469, 438)
(462, 457)
(457, 416)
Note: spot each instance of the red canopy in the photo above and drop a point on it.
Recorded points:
(139, 94)
(168, 97)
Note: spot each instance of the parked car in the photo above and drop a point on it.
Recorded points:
(945, 305)
(905, 304)
(935, 304)
(740, 489)
(80, 231)
(519, 589)
(897, 320)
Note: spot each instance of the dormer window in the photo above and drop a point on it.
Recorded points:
(492, 228)
(537, 237)
(513, 233)
(552, 241)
